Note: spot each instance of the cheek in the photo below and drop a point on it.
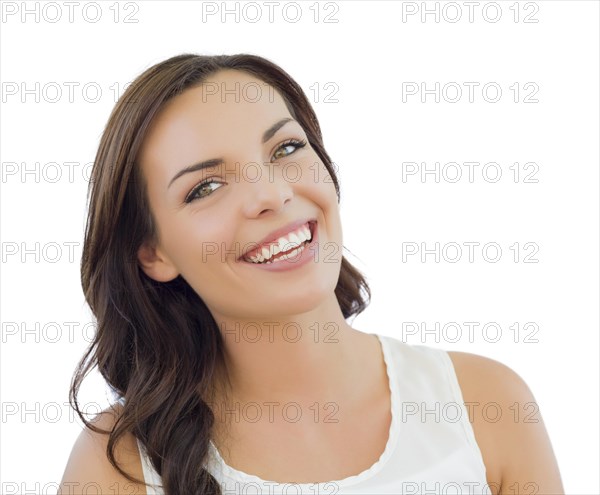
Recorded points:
(204, 243)
(323, 193)
(316, 181)
(318, 187)
(193, 241)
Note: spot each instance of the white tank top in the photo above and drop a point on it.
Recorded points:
(431, 448)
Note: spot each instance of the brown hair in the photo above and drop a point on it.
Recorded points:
(157, 344)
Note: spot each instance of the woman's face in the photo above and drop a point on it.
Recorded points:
(257, 187)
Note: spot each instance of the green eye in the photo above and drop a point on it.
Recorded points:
(195, 193)
(205, 188)
(290, 143)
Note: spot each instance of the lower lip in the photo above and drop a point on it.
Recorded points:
(296, 261)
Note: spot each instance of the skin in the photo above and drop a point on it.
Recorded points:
(266, 367)
(238, 214)
(516, 448)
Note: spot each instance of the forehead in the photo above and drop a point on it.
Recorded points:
(229, 103)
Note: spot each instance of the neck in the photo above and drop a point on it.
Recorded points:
(300, 358)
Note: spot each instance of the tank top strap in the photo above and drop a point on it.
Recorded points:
(432, 407)
(150, 475)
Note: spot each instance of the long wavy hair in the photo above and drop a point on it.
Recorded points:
(157, 344)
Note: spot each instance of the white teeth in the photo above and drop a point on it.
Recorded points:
(291, 254)
(295, 239)
(283, 243)
(303, 236)
(265, 253)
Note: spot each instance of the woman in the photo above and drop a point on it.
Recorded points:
(213, 264)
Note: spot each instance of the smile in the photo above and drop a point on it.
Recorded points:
(284, 247)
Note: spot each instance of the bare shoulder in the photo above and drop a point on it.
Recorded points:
(476, 373)
(88, 468)
(508, 426)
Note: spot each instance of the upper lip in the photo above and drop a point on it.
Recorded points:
(276, 234)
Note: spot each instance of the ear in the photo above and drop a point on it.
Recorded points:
(156, 264)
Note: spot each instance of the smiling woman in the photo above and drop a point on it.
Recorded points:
(213, 264)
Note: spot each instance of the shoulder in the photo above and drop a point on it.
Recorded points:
(88, 468)
(507, 423)
(489, 389)
(488, 378)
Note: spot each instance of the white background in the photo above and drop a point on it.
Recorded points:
(370, 133)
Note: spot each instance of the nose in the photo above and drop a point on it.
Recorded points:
(267, 190)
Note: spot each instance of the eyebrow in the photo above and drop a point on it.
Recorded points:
(215, 162)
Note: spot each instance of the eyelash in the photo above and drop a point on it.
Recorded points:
(295, 142)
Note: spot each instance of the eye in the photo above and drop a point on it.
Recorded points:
(295, 144)
(196, 192)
